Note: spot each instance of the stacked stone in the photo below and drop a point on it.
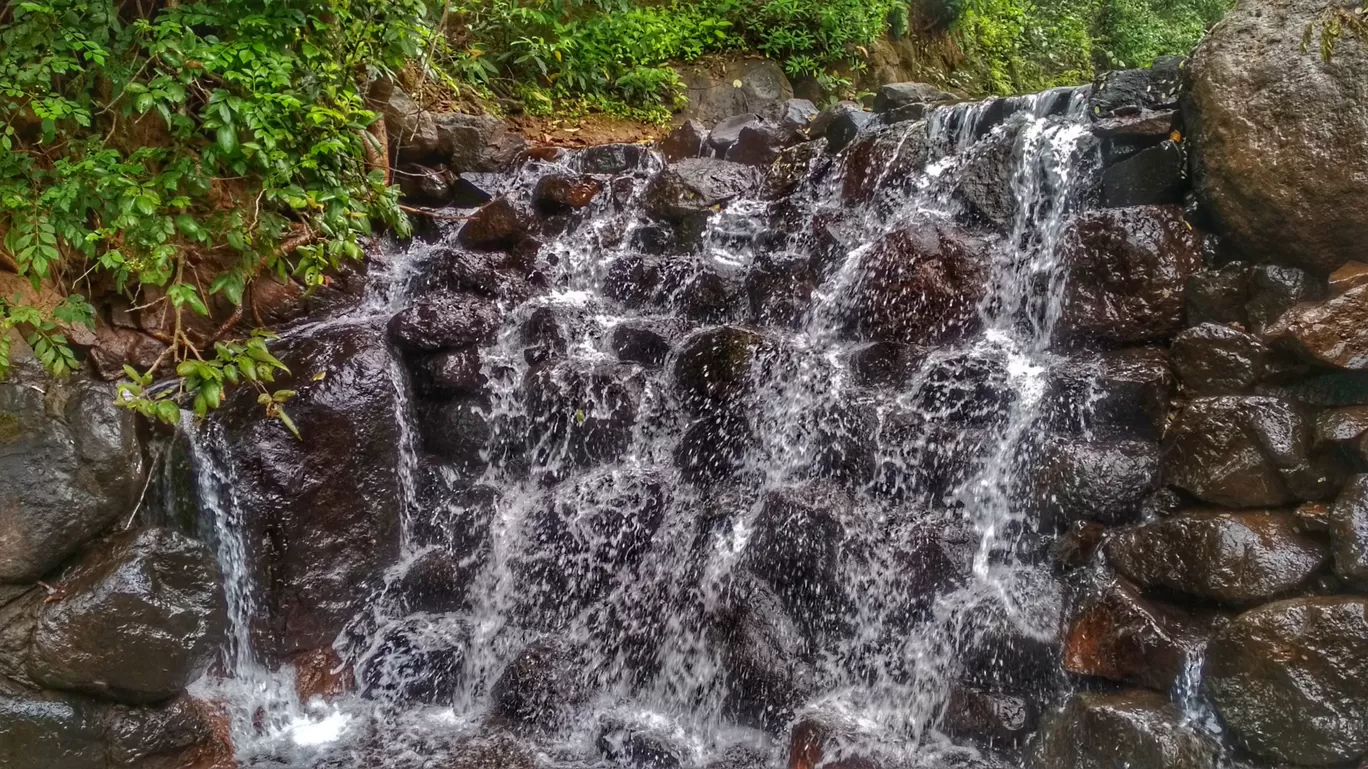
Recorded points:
(1247, 547)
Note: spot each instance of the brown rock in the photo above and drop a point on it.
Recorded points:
(321, 673)
(1349, 530)
(560, 193)
(1334, 332)
(1218, 360)
(1350, 275)
(118, 347)
(685, 141)
(1126, 269)
(1076, 547)
(1240, 558)
(498, 225)
(1094, 729)
(1118, 635)
(990, 719)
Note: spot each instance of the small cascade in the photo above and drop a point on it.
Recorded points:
(724, 474)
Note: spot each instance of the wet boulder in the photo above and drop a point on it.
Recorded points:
(890, 158)
(540, 687)
(418, 659)
(713, 448)
(321, 512)
(779, 289)
(476, 143)
(1255, 94)
(685, 141)
(444, 321)
(640, 343)
(764, 655)
(1154, 176)
(140, 617)
(893, 95)
(638, 746)
(563, 193)
(727, 132)
(609, 159)
(884, 364)
(581, 412)
(793, 166)
(1290, 679)
(1348, 521)
(51, 732)
(1218, 295)
(1249, 451)
(1102, 480)
(1117, 392)
(71, 464)
(921, 284)
(758, 145)
(460, 431)
(439, 581)
(1240, 558)
(452, 373)
(985, 183)
(157, 736)
(713, 368)
(1075, 547)
(1334, 333)
(795, 117)
(1274, 289)
(840, 124)
(498, 225)
(1019, 634)
(1125, 271)
(1218, 360)
(1117, 634)
(424, 186)
(796, 550)
(1132, 91)
(692, 187)
(1093, 729)
(989, 718)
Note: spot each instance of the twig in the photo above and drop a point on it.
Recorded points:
(146, 485)
(434, 214)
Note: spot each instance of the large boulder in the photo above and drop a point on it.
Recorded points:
(1240, 558)
(1277, 135)
(921, 284)
(796, 550)
(1334, 333)
(70, 465)
(1136, 729)
(1291, 680)
(1105, 481)
(894, 95)
(138, 619)
(713, 369)
(693, 186)
(1349, 528)
(1116, 392)
(444, 321)
(1119, 635)
(40, 730)
(763, 654)
(1212, 359)
(1125, 272)
(1250, 451)
(540, 687)
(320, 512)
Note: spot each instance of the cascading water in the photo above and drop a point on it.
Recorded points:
(817, 527)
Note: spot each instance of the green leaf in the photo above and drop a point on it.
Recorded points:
(227, 139)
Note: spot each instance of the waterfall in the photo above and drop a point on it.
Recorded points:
(596, 544)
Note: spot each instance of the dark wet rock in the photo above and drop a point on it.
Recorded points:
(452, 373)
(693, 186)
(439, 581)
(1240, 558)
(1349, 532)
(844, 127)
(713, 94)
(1350, 275)
(1102, 480)
(118, 347)
(1131, 91)
(581, 411)
(638, 746)
(920, 284)
(491, 749)
(138, 734)
(1218, 360)
(425, 186)
(713, 368)
(713, 448)
(795, 549)
(1119, 635)
(562, 193)
(443, 321)
(1273, 290)
(757, 145)
(685, 141)
(541, 686)
(1245, 452)
(1255, 95)
(497, 225)
(727, 132)
(763, 653)
(1150, 177)
(1334, 333)
(884, 364)
(419, 659)
(964, 389)
(1154, 125)
(641, 343)
(479, 143)
(988, 718)
(1342, 425)
(1021, 638)
(985, 181)
(1313, 517)
(44, 731)
(1290, 679)
(1120, 392)
(1328, 389)
(139, 618)
(795, 117)
(494, 276)
(609, 159)
(1093, 729)
(894, 95)
(71, 465)
(779, 288)
(846, 451)
(795, 165)
(1076, 546)
(829, 116)
(542, 336)
(833, 740)
(320, 512)
(474, 189)
(887, 156)
(459, 431)
(1218, 295)
(1126, 268)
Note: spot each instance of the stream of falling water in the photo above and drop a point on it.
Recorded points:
(639, 606)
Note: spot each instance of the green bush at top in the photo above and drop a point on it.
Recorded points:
(178, 155)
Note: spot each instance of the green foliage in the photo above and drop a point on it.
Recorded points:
(180, 155)
(1335, 22)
